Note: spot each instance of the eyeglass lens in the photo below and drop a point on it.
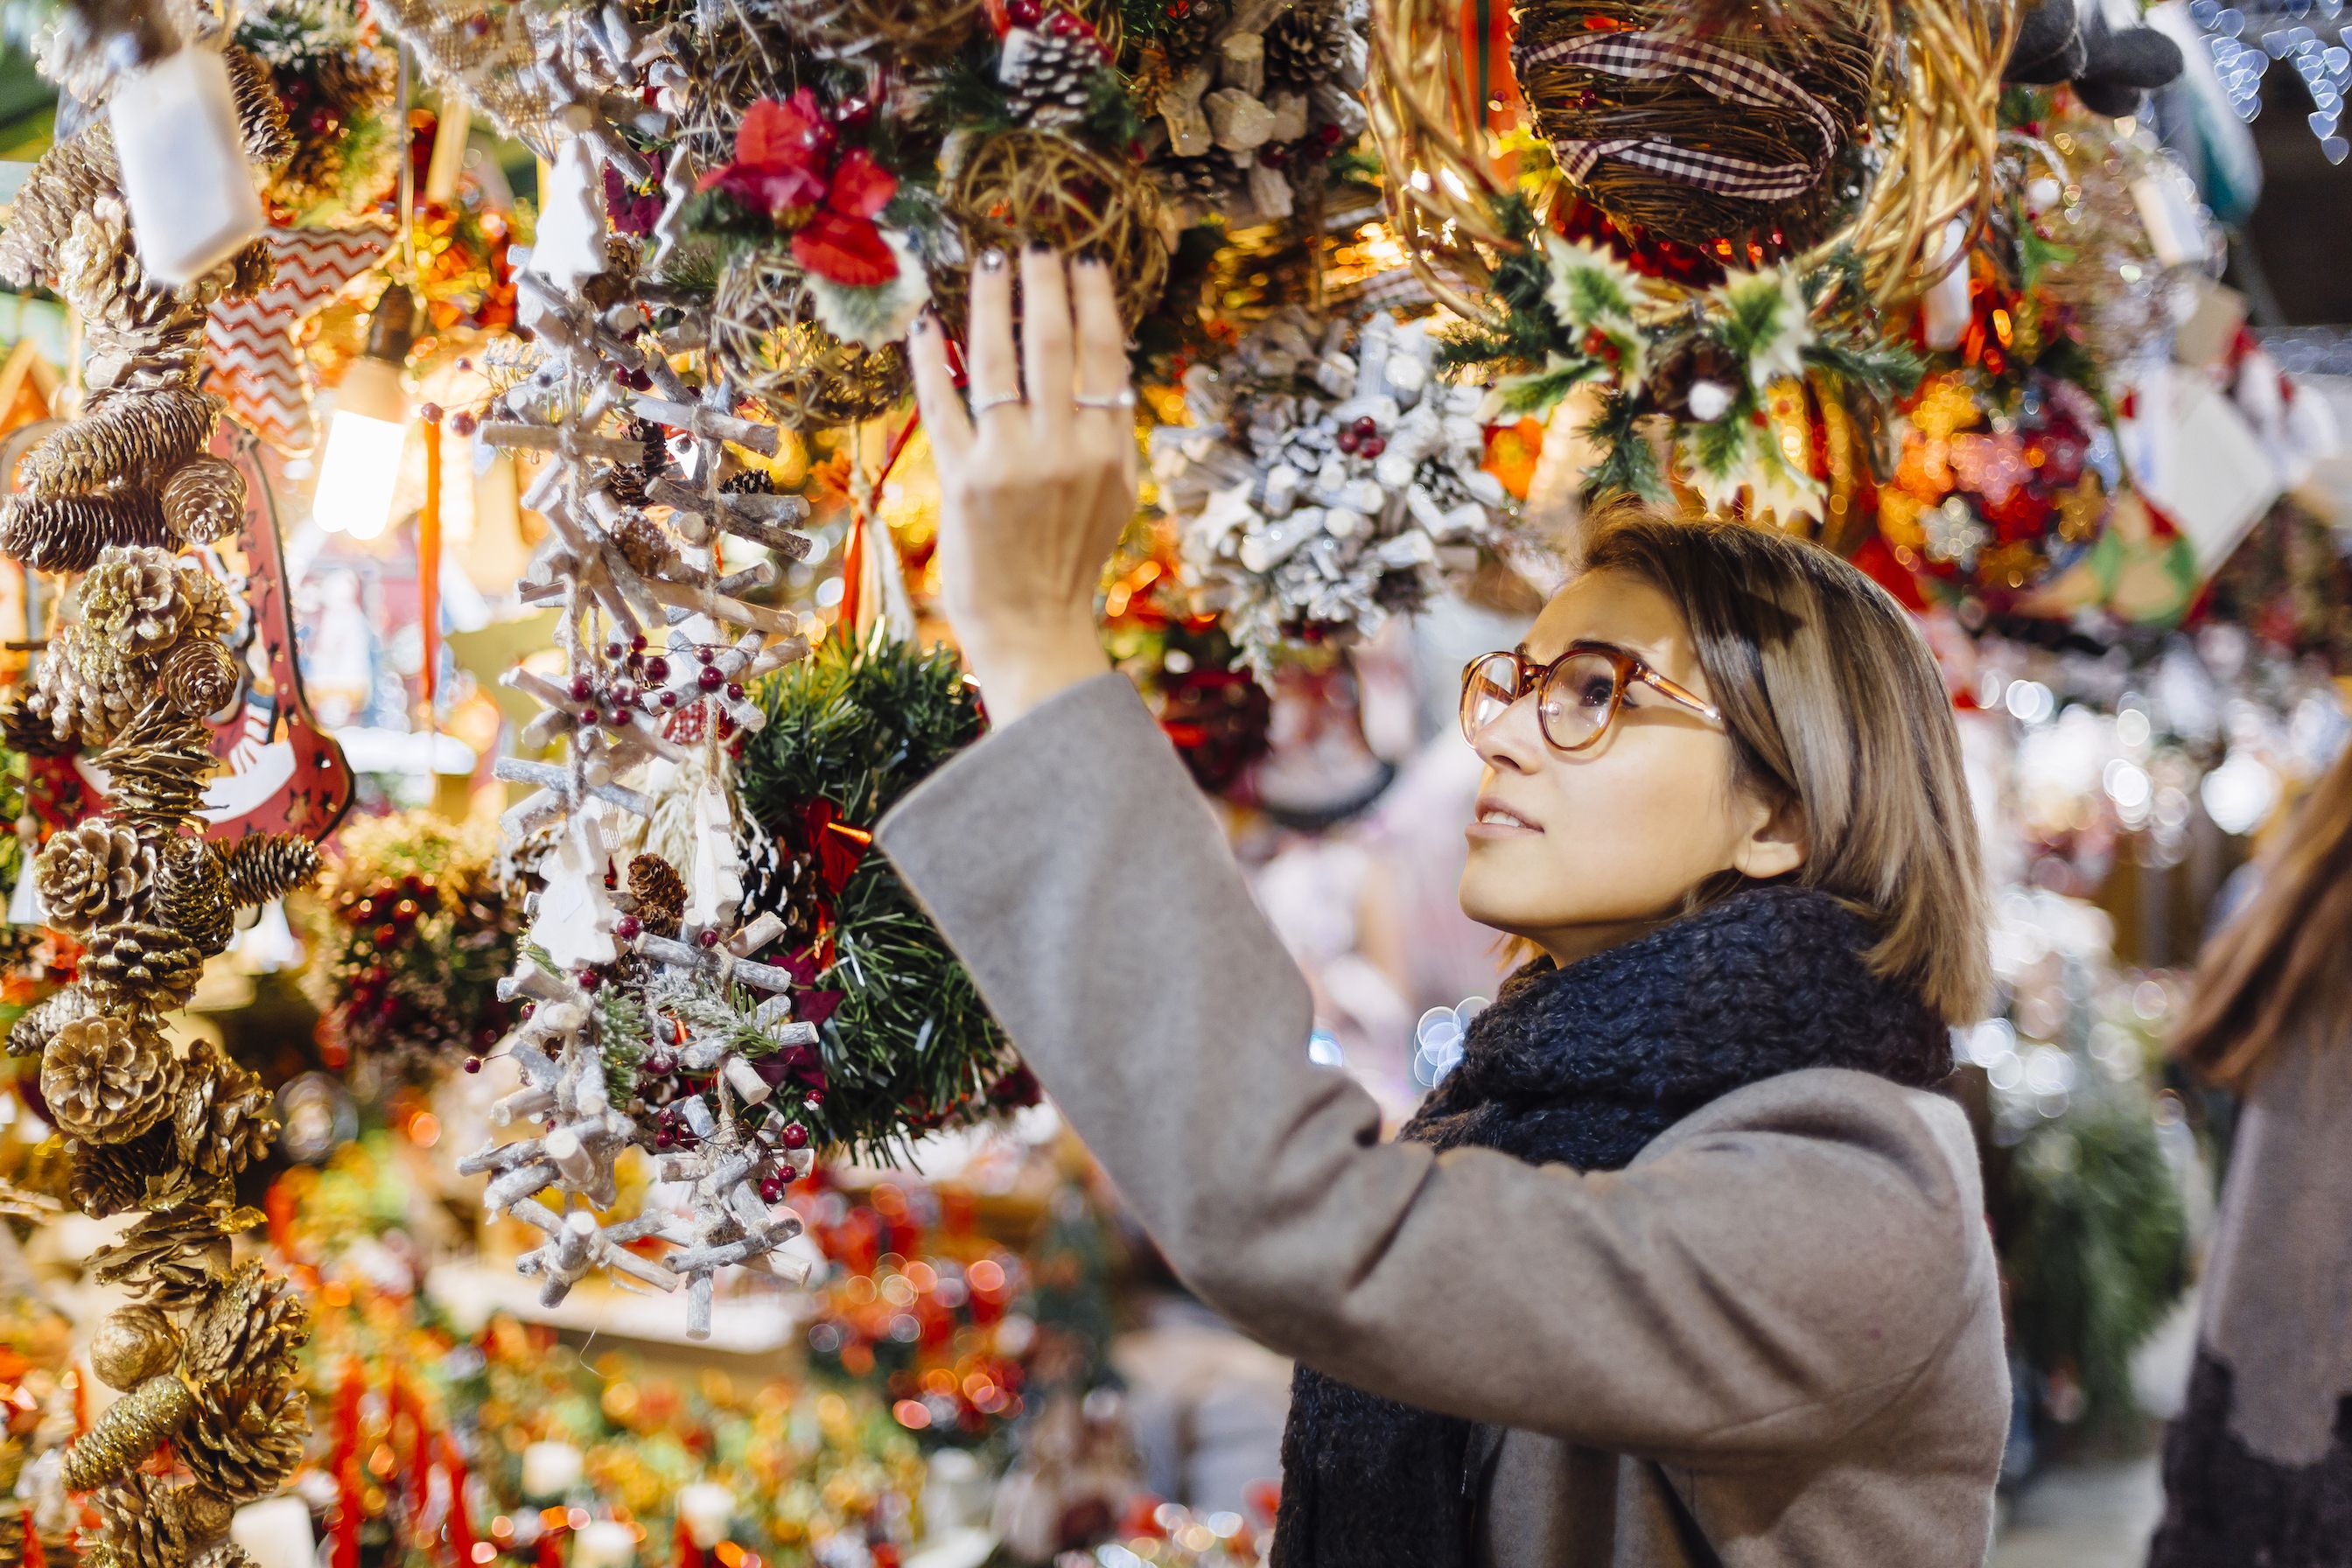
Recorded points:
(1573, 707)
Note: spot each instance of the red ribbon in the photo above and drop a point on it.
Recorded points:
(461, 1518)
(347, 1466)
(838, 847)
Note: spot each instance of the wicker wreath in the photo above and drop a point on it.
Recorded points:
(765, 337)
(1022, 186)
(894, 30)
(1929, 114)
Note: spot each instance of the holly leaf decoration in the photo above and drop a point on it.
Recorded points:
(1763, 319)
(1594, 296)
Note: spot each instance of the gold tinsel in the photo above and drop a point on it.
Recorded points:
(131, 1428)
(134, 1343)
(92, 875)
(269, 866)
(175, 1259)
(659, 892)
(204, 500)
(192, 893)
(107, 1080)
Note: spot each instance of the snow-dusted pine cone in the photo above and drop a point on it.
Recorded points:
(1051, 73)
(175, 1259)
(140, 961)
(269, 866)
(93, 875)
(107, 1080)
(150, 1522)
(224, 1118)
(192, 892)
(78, 706)
(248, 1334)
(1305, 44)
(242, 1442)
(139, 602)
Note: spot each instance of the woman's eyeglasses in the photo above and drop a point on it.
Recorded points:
(1578, 695)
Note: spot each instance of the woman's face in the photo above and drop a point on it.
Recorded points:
(1577, 851)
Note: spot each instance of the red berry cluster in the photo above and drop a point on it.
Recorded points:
(1362, 438)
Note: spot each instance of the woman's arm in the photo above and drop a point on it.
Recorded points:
(1764, 1283)
(1762, 1278)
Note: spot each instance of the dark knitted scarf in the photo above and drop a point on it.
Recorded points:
(1583, 1066)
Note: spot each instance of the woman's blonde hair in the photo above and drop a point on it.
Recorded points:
(2281, 965)
(1834, 706)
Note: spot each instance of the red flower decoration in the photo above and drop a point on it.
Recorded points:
(788, 164)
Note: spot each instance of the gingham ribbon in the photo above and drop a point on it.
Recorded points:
(1734, 78)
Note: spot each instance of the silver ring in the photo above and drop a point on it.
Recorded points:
(983, 406)
(1123, 398)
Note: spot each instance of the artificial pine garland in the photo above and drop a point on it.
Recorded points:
(907, 1044)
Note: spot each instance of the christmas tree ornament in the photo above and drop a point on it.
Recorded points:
(184, 171)
(1328, 478)
(255, 363)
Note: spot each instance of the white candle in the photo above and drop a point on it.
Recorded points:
(705, 1509)
(550, 1470)
(276, 1532)
(603, 1544)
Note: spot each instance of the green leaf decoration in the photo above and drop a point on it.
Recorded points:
(1628, 466)
(1521, 395)
(1765, 321)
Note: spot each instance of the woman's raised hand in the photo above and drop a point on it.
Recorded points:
(1037, 474)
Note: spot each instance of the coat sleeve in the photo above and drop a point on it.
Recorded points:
(1766, 1275)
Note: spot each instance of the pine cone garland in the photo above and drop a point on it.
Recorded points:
(199, 679)
(659, 892)
(224, 1120)
(247, 1335)
(31, 1034)
(130, 437)
(93, 875)
(269, 866)
(158, 764)
(107, 1080)
(144, 1173)
(175, 1259)
(192, 893)
(242, 1442)
(132, 1427)
(204, 500)
(141, 962)
(150, 1522)
(67, 534)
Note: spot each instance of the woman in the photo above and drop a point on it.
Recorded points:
(2258, 1469)
(1680, 1266)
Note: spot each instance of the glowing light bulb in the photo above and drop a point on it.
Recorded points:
(361, 465)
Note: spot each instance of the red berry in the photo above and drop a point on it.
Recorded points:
(796, 1136)
(771, 1190)
(581, 688)
(637, 643)
(704, 655)
(669, 699)
(591, 981)
(472, 1063)
(1023, 13)
(661, 1064)
(1348, 440)
(590, 718)
(613, 649)
(708, 939)
(735, 689)
(528, 1009)
(708, 679)
(627, 927)
(657, 669)
(430, 413)
(1366, 424)
(1372, 446)
(463, 423)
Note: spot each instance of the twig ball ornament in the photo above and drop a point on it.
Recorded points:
(1739, 129)
(1024, 187)
(765, 337)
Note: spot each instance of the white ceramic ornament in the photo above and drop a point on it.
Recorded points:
(185, 175)
(575, 920)
(569, 243)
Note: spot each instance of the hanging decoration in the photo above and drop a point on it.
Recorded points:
(1329, 478)
(255, 362)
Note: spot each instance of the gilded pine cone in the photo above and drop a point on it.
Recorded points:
(204, 500)
(145, 1174)
(248, 1333)
(133, 1427)
(141, 601)
(199, 677)
(269, 866)
(81, 705)
(149, 1522)
(224, 1118)
(137, 960)
(93, 875)
(134, 1343)
(192, 892)
(107, 1080)
(175, 1258)
(243, 1442)
(31, 1034)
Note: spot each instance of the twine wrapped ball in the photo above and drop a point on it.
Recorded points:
(765, 337)
(1741, 132)
(892, 30)
(1021, 187)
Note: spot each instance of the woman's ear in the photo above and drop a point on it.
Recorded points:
(1776, 843)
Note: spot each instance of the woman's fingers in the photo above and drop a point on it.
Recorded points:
(994, 374)
(1045, 334)
(937, 397)
(1102, 338)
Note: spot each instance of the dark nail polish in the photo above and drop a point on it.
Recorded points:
(1039, 247)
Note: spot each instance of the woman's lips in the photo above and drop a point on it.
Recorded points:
(1496, 820)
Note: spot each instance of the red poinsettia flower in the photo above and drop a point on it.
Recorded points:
(784, 151)
(785, 165)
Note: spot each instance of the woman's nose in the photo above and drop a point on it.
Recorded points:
(1513, 738)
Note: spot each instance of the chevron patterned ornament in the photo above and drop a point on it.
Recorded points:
(256, 364)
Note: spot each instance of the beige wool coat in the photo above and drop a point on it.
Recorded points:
(1772, 1342)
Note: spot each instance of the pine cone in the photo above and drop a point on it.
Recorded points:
(139, 963)
(132, 1427)
(81, 708)
(1188, 27)
(749, 482)
(1305, 47)
(141, 601)
(66, 533)
(248, 1333)
(107, 1081)
(244, 1440)
(133, 1344)
(224, 1118)
(93, 875)
(175, 1258)
(269, 866)
(31, 1034)
(775, 880)
(204, 500)
(150, 1522)
(192, 892)
(199, 677)
(144, 1173)
(628, 481)
(1050, 74)
(1209, 180)
(125, 438)
(642, 543)
(659, 892)
(27, 729)
(158, 764)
